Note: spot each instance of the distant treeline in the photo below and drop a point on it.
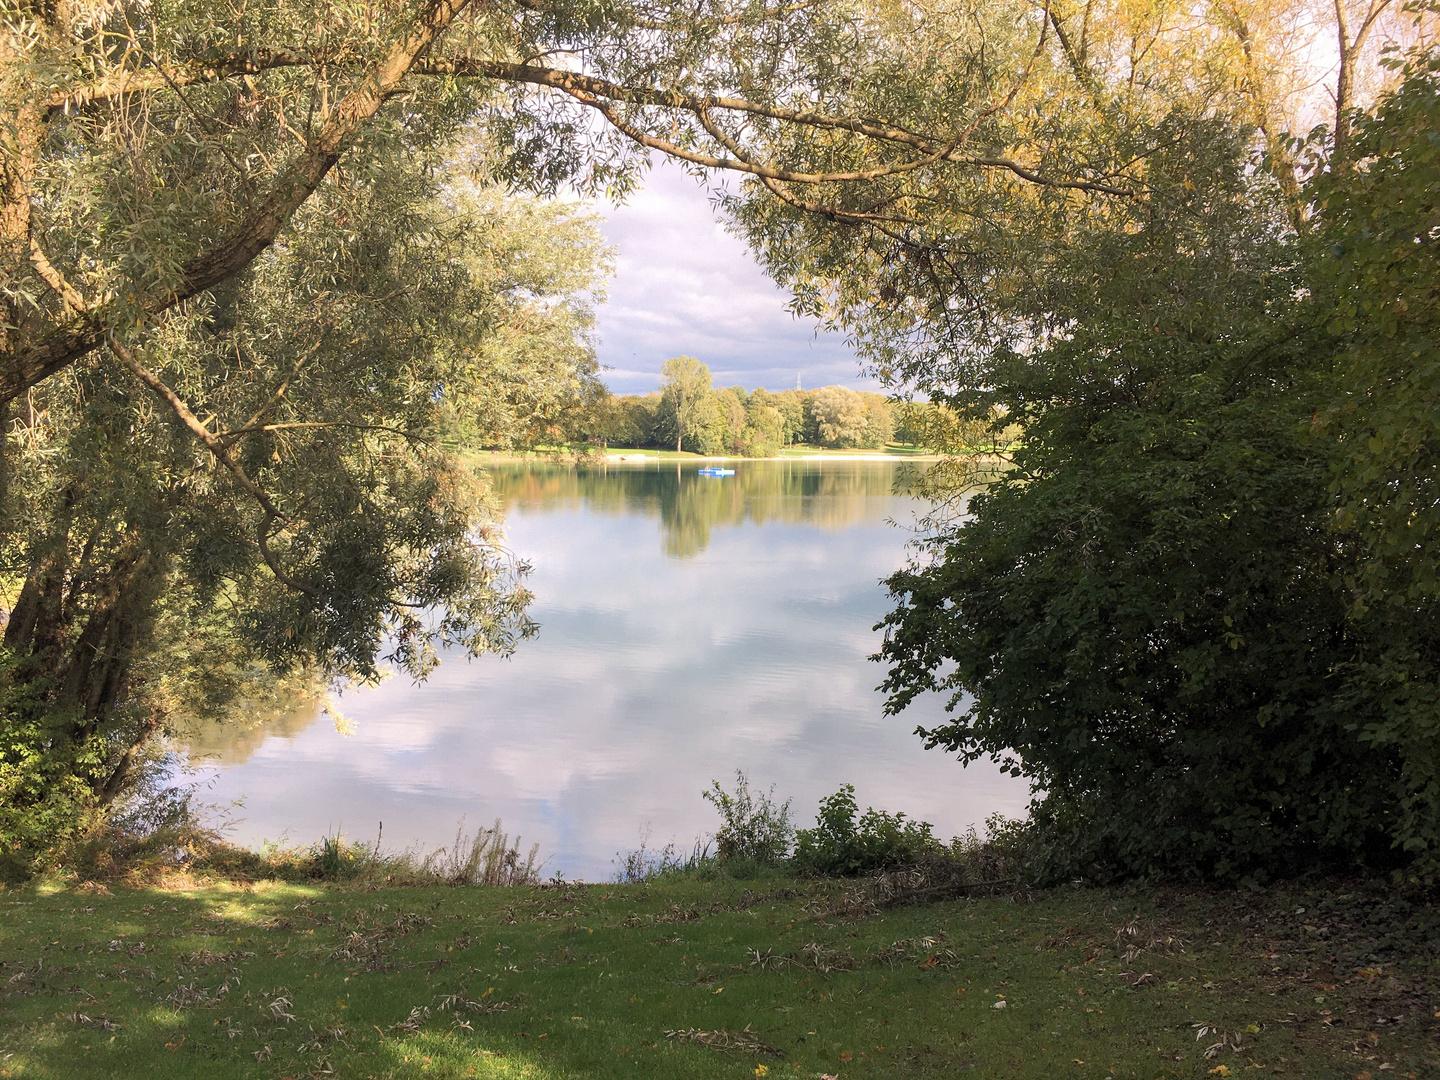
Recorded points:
(756, 424)
(688, 413)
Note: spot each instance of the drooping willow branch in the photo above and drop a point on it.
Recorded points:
(602, 93)
(63, 344)
(74, 335)
(222, 456)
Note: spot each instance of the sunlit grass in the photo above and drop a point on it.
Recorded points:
(586, 981)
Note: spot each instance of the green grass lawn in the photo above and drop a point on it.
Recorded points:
(720, 979)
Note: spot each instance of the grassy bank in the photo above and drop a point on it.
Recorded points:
(684, 978)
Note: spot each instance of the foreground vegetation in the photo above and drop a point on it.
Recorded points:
(682, 977)
(862, 946)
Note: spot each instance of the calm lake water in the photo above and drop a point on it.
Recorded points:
(689, 627)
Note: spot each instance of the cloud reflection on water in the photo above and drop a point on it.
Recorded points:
(653, 674)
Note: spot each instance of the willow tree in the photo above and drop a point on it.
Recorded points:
(335, 382)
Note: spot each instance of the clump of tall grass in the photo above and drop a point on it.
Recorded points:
(756, 827)
(650, 864)
(486, 858)
(183, 853)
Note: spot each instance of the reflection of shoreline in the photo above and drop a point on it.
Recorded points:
(828, 495)
(652, 457)
(652, 676)
(234, 742)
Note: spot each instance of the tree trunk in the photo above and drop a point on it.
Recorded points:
(76, 627)
(35, 626)
(1344, 85)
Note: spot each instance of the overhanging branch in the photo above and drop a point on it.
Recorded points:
(221, 453)
(297, 181)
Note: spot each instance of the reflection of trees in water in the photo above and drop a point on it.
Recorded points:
(235, 741)
(823, 494)
(828, 495)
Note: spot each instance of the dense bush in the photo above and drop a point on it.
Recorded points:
(841, 846)
(44, 802)
(757, 833)
(1198, 614)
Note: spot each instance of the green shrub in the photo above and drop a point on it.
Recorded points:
(44, 802)
(755, 828)
(839, 846)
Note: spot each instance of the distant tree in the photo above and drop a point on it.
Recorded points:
(684, 395)
(791, 406)
(840, 416)
(643, 420)
(879, 425)
(935, 426)
(712, 433)
(603, 419)
(912, 422)
(732, 415)
(764, 426)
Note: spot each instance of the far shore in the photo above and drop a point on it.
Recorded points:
(645, 457)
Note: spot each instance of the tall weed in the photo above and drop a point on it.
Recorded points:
(755, 827)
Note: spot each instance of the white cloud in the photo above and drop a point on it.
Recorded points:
(684, 286)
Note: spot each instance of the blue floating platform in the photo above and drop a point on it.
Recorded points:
(712, 471)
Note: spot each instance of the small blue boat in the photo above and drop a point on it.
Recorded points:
(711, 470)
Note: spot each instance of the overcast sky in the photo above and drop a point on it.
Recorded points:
(684, 286)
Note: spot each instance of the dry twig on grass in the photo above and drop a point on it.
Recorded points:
(744, 1041)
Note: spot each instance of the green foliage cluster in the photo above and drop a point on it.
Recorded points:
(1377, 292)
(754, 827)
(841, 846)
(1197, 613)
(758, 832)
(44, 801)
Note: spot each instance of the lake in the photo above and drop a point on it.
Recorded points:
(689, 627)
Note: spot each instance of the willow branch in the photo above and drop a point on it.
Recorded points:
(55, 279)
(221, 454)
(295, 184)
(230, 436)
(597, 92)
(1074, 57)
(279, 392)
(834, 213)
(119, 84)
(723, 20)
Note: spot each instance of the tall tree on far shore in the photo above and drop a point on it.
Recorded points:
(683, 395)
